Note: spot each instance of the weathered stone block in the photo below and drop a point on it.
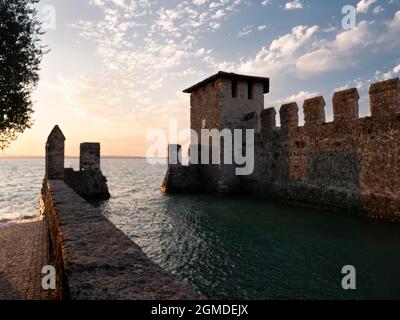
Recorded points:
(289, 114)
(89, 156)
(55, 146)
(89, 184)
(345, 105)
(385, 98)
(314, 111)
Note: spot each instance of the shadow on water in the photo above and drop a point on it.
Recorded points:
(247, 248)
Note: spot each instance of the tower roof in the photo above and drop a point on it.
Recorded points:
(56, 133)
(228, 75)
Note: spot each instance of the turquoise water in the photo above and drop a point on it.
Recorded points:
(233, 248)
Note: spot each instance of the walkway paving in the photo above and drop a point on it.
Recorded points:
(23, 253)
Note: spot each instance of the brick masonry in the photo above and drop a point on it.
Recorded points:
(23, 253)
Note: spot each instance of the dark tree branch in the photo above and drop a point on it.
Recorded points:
(20, 57)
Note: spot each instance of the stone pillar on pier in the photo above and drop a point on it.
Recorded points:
(89, 157)
(55, 146)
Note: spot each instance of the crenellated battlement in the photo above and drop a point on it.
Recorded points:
(289, 114)
(345, 105)
(385, 98)
(314, 111)
(384, 103)
(268, 121)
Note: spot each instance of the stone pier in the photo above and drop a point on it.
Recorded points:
(93, 258)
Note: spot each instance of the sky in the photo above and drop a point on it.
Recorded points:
(116, 68)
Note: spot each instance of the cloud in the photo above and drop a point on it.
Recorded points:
(245, 31)
(143, 49)
(390, 74)
(339, 53)
(146, 49)
(265, 2)
(262, 27)
(382, 76)
(280, 54)
(378, 9)
(358, 83)
(293, 5)
(344, 51)
(302, 53)
(391, 36)
(298, 98)
(199, 2)
(363, 5)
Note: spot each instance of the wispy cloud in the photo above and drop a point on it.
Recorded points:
(245, 31)
(364, 5)
(293, 5)
(144, 48)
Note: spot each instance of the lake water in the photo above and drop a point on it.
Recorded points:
(231, 248)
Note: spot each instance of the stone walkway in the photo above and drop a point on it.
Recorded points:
(23, 253)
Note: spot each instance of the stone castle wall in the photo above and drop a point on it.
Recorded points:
(349, 164)
(205, 105)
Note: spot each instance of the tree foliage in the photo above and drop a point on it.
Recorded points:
(20, 57)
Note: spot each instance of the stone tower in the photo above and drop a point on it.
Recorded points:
(225, 100)
(55, 146)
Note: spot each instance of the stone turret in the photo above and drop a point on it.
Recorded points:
(55, 146)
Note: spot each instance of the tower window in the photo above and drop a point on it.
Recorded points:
(234, 88)
(250, 89)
